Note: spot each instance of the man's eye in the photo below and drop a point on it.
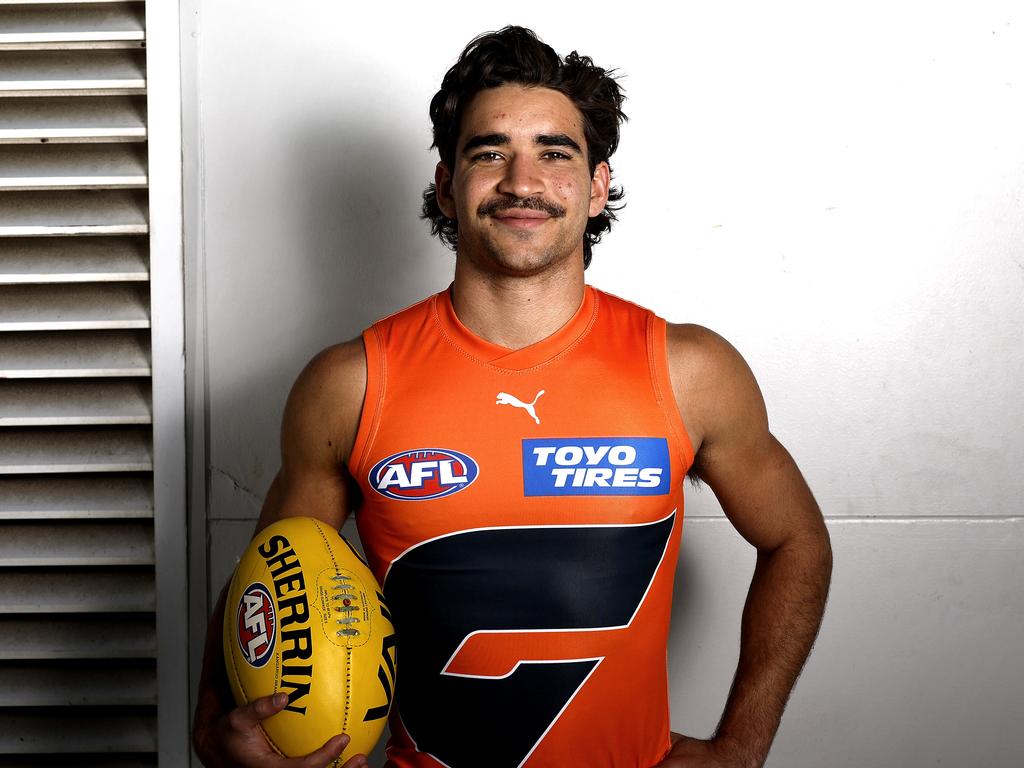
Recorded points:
(487, 156)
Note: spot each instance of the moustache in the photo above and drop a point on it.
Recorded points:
(529, 204)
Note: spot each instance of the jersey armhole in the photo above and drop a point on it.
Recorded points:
(369, 418)
(657, 353)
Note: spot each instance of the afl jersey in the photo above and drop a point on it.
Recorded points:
(522, 512)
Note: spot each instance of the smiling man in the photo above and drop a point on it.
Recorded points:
(524, 190)
(516, 446)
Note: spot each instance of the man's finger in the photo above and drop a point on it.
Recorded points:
(322, 757)
(359, 761)
(250, 714)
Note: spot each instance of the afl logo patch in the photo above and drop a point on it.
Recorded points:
(257, 625)
(424, 473)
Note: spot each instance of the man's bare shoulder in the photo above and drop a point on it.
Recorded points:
(326, 399)
(714, 387)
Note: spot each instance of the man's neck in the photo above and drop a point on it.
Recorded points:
(515, 312)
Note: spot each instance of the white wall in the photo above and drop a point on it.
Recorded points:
(837, 189)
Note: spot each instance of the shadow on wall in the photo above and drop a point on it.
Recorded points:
(341, 244)
(345, 246)
(368, 254)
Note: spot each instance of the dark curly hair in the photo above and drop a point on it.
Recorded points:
(515, 55)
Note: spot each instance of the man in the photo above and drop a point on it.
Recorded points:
(517, 445)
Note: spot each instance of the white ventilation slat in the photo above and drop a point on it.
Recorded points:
(109, 212)
(84, 306)
(45, 451)
(72, 166)
(49, 73)
(73, 543)
(75, 403)
(73, 119)
(68, 760)
(84, 498)
(27, 733)
(107, 636)
(83, 354)
(68, 2)
(78, 645)
(28, 27)
(112, 590)
(52, 685)
(73, 260)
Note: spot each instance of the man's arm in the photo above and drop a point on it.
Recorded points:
(766, 498)
(318, 429)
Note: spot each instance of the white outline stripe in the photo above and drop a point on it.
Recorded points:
(556, 718)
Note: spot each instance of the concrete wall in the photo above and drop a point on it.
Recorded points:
(838, 190)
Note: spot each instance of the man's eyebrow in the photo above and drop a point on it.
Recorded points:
(557, 140)
(486, 140)
(501, 139)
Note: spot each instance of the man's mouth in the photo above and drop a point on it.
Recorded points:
(520, 219)
(518, 213)
(528, 214)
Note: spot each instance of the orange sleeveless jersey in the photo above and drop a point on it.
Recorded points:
(522, 512)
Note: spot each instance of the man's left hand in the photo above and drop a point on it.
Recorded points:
(699, 753)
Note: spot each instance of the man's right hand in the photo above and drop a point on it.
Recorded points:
(234, 739)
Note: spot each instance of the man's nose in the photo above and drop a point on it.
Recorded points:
(522, 178)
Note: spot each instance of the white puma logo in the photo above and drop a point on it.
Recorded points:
(504, 398)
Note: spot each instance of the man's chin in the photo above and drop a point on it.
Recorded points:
(527, 264)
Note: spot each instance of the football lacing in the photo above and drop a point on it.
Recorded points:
(344, 592)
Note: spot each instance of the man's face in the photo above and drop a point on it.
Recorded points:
(521, 189)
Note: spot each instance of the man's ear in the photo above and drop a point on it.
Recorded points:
(443, 190)
(599, 188)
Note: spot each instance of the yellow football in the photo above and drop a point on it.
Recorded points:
(305, 616)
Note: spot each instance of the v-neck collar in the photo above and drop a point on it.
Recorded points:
(531, 356)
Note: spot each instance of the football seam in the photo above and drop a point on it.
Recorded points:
(348, 687)
(348, 649)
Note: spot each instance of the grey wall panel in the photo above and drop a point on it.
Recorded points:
(911, 667)
(228, 539)
(851, 223)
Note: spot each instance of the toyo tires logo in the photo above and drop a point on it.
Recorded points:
(257, 625)
(424, 473)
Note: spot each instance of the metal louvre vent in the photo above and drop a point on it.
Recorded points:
(77, 599)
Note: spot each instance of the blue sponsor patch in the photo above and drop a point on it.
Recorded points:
(596, 466)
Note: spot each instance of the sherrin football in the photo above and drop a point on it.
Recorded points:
(305, 616)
